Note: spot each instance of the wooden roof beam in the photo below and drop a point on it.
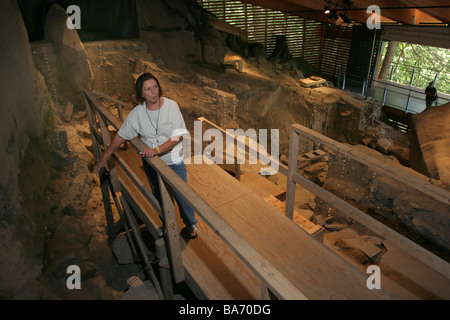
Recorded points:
(441, 12)
(294, 9)
(391, 10)
(312, 9)
(409, 16)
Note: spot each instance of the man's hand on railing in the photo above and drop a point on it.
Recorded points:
(149, 152)
(103, 162)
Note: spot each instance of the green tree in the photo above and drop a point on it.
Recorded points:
(417, 65)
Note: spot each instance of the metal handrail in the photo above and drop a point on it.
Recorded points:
(410, 95)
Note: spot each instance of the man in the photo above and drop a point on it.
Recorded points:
(430, 95)
(159, 123)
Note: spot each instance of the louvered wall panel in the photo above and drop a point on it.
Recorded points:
(326, 47)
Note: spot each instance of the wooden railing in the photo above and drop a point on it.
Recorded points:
(379, 228)
(294, 178)
(242, 146)
(273, 282)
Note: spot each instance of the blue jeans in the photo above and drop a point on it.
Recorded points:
(186, 212)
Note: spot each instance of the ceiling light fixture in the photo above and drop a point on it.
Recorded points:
(338, 13)
(333, 15)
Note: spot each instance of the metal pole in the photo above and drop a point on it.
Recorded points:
(391, 73)
(339, 77)
(364, 86)
(412, 76)
(407, 103)
(435, 79)
(384, 96)
(434, 84)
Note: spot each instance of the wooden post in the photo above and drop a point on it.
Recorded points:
(141, 245)
(104, 180)
(92, 125)
(104, 186)
(170, 222)
(266, 294)
(204, 143)
(120, 113)
(164, 269)
(237, 165)
(292, 171)
(116, 226)
(237, 170)
(104, 183)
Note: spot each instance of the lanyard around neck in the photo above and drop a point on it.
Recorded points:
(157, 120)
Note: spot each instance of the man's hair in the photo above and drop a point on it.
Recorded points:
(140, 82)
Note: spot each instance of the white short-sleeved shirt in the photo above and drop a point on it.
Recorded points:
(156, 127)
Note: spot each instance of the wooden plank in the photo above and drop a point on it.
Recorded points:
(140, 207)
(245, 147)
(169, 215)
(313, 229)
(223, 26)
(102, 110)
(260, 185)
(141, 245)
(201, 258)
(274, 280)
(292, 170)
(91, 120)
(126, 161)
(100, 94)
(402, 242)
(262, 268)
(274, 202)
(312, 83)
(307, 263)
(216, 269)
(214, 189)
(387, 233)
(164, 269)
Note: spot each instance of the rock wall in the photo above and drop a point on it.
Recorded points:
(179, 31)
(26, 141)
(430, 136)
(74, 72)
(45, 160)
(51, 213)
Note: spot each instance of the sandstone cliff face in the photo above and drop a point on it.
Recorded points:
(73, 67)
(26, 124)
(431, 137)
(176, 31)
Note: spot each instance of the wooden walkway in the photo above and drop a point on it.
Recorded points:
(247, 249)
(213, 270)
